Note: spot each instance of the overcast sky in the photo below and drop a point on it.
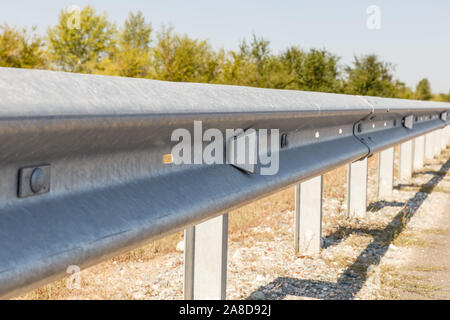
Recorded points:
(414, 35)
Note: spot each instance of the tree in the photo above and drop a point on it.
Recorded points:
(253, 65)
(19, 49)
(316, 70)
(180, 58)
(444, 97)
(423, 90)
(132, 56)
(370, 76)
(136, 32)
(403, 91)
(80, 40)
(83, 41)
(236, 69)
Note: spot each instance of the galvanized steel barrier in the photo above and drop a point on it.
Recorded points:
(82, 178)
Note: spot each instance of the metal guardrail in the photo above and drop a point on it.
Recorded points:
(101, 188)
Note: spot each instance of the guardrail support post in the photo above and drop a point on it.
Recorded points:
(437, 143)
(385, 173)
(419, 153)
(447, 135)
(205, 260)
(308, 216)
(357, 188)
(429, 146)
(405, 165)
(443, 139)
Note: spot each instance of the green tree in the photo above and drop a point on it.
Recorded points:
(236, 69)
(20, 49)
(444, 97)
(403, 91)
(132, 56)
(292, 60)
(258, 53)
(83, 41)
(423, 90)
(180, 58)
(317, 70)
(80, 40)
(253, 65)
(370, 76)
(136, 32)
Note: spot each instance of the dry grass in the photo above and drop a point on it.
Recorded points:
(396, 281)
(427, 268)
(410, 239)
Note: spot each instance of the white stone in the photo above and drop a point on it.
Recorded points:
(180, 246)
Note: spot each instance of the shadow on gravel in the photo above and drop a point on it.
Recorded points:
(378, 205)
(436, 173)
(353, 278)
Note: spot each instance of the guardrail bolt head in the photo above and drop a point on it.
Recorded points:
(359, 127)
(37, 180)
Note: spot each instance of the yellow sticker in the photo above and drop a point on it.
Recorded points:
(167, 158)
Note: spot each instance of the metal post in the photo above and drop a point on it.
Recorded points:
(205, 260)
(405, 164)
(308, 216)
(418, 153)
(385, 173)
(437, 143)
(433, 143)
(429, 146)
(357, 188)
(189, 254)
(447, 135)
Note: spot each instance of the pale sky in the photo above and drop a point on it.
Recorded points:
(414, 35)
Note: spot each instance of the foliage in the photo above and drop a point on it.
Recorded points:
(180, 58)
(423, 90)
(253, 65)
(86, 42)
(20, 50)
(443, 97)
(80, 47)
(132, 56)
(371, 77)
(316, 70)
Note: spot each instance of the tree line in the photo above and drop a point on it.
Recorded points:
(92, 44)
